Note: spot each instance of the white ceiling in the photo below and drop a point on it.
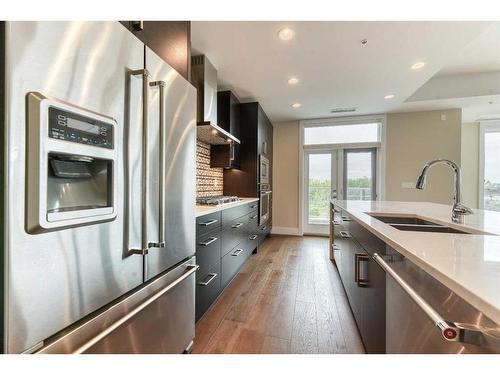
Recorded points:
(335, 70)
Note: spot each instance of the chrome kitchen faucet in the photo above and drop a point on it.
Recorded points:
(459, 209)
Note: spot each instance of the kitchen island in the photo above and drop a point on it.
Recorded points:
(464, 266)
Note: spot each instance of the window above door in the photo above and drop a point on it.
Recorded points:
(338, 134)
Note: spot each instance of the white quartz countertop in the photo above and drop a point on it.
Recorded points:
(206, 209)
(468, 264)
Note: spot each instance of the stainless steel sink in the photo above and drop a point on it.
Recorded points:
(402, 220)
(427, 228)
(415, 224)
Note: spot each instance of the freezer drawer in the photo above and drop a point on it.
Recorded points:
(158, 318)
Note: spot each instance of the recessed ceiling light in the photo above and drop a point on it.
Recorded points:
(296, 105)
(390, 96)
(418, 65)
(293, 80)
(286, 33)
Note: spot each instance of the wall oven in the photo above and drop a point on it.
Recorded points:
(264, 170)
(265, 205)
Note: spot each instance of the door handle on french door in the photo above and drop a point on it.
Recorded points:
(161, 188)
(145, 163)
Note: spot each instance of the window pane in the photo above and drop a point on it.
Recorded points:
(320, 184)
(341, 134)
(359, 184)
(492, 171)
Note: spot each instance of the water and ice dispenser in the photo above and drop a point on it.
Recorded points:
(71, 165)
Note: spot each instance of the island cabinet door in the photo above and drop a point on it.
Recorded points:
(356, 276)
(373, 326)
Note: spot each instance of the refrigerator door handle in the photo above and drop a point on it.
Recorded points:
(145, 244)
(161, 189)
(189, 271)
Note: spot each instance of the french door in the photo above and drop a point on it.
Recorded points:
(359, 174)
(335, 174)
(320, 186)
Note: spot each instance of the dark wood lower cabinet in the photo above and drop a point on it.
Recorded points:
(208, 287)
(362, 278)
(225, 240)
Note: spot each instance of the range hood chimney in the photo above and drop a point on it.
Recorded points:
(204, 78)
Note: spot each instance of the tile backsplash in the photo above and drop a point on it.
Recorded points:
(209, 181)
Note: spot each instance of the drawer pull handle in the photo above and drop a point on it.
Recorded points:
(254, 206)
(237, 252)
(345, 218)
(344, 234)
(253, 237)
(336, 222)
(336, 247)
(210, 222)
(205, 283)
(360, 281)
(254, 217)
(336, 210)
(209, 242)
(236, 225)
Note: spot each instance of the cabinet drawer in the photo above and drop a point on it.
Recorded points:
(253, 207)
(263, 231)
(233, 234)
(207, 223)
(367, 240)
(253, 232)
(231, 263)
(229, 215)
(208, 249)
(208, 287)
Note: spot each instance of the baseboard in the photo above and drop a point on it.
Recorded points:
(289, 231)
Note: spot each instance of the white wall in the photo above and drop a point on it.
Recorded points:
(415, 138)
(470, 164)
(286, 177)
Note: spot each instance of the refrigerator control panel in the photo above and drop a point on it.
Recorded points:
(74, 127)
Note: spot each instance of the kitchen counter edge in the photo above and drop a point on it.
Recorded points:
(202, 210)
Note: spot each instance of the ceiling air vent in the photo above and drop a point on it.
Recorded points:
(343, 110)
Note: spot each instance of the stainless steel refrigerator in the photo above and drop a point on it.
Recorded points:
(98, 232)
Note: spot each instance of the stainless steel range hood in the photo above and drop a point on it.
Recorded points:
(204, 78)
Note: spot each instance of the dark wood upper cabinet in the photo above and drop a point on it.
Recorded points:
(228, 112)
(256, 136)
(228, 118)
(171, 40)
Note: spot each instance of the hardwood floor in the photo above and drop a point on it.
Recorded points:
(287, 298)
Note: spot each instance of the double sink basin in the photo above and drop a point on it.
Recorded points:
(415, 224)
